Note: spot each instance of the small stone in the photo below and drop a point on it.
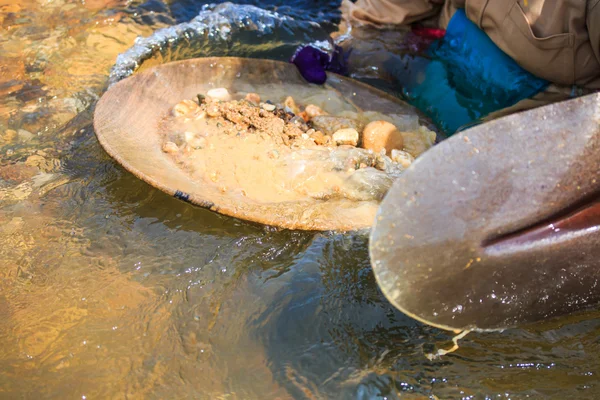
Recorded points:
(17, 172)
(35, 160)
(221, 94)
(346, 136)
(253, 98)
(170, 147)
(318, 136)
(304, 116)
(25, 136)
(10, 135)
(268, 107)
(184, 107)
(329, 124)
(380, 135)
(291, 104)
(312, 111)
(402, 157)
(213, 110)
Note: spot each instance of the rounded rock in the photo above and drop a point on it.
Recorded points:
(253, 98)
(221, 94)
(312, 111)
(184, 107)
(379, 135)
(268, 107)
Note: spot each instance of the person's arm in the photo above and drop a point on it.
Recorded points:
(593, 26)
(391, 12)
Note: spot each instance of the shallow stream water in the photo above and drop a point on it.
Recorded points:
(112, 289)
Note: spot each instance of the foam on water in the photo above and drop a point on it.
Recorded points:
(223, 30)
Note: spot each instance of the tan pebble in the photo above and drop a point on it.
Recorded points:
(213, 110)
(221, 94)
(380, 135)
(253, 98)
(170, 147)
(10, 135)
(346, 136)
(184, 107)
(402, 157)
(319, 137)
(35, 160)
(214, 176)
(304, 116)
(24, 135)
(312, 111)
(268, 107)
(291, 104)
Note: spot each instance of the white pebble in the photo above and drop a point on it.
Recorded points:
(402, 157)
(219, 94)
(268, 107)
(347, 136)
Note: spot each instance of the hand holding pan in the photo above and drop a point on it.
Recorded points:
(499, 225)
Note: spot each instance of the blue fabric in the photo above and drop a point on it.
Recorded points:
(469, 77)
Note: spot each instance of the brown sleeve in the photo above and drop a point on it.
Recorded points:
(448, 10)
(396, 12)
(593, 26)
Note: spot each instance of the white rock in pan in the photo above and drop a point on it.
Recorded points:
(219, 94)
(402, 157)
(346, 136)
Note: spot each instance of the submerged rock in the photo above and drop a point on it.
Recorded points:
(329, 124)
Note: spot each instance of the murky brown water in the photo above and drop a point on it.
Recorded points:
(111, 289)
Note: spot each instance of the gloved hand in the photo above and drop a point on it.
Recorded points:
(312, 62)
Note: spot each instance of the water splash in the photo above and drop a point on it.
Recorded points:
(222, 30)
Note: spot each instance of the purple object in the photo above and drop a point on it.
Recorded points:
(312, 63)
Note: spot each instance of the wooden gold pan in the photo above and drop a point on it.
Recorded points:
(126, 122)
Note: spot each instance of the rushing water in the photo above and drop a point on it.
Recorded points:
(112, 289)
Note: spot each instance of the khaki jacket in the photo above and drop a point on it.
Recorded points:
(558, 40)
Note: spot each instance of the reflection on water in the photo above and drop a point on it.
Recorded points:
(110, 288)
